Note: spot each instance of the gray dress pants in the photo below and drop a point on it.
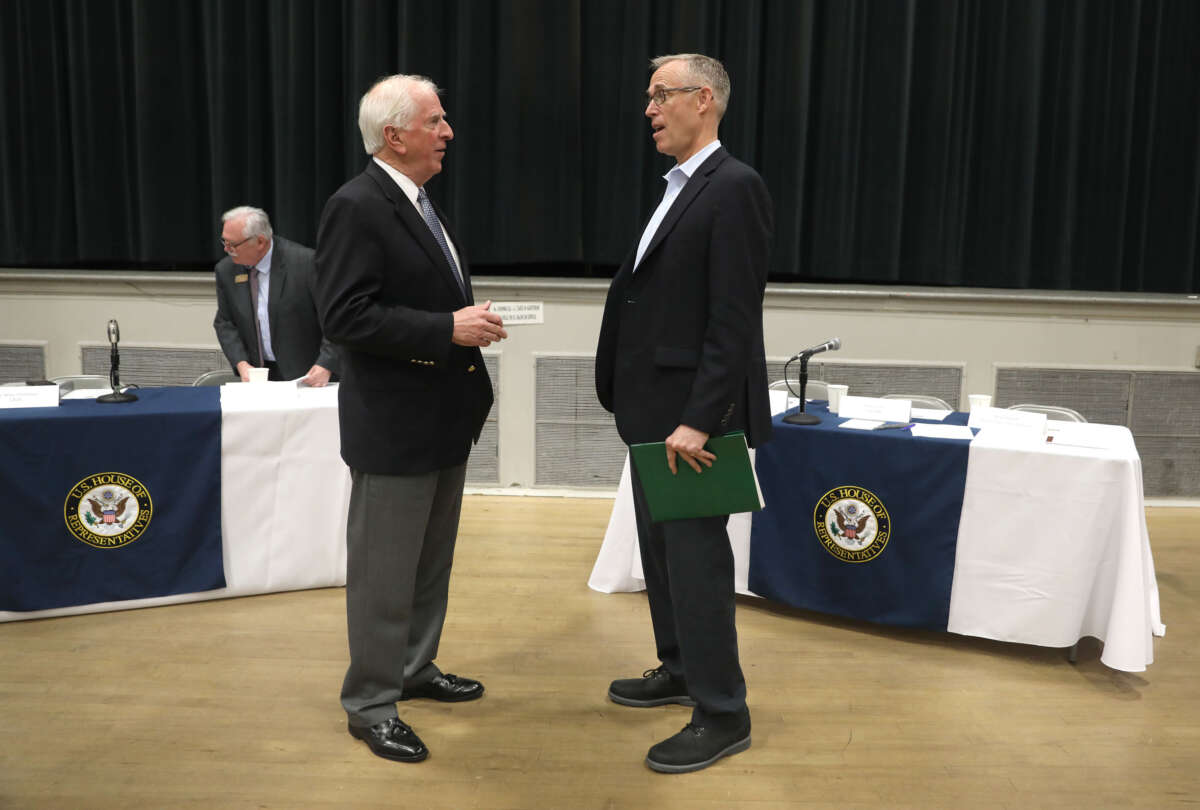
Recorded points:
(399, 549)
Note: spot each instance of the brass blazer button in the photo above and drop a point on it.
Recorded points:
(470, 368)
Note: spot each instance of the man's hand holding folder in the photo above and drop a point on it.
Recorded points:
(688, 443)
(677, 491)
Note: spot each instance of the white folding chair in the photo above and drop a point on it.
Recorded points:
(218, 377)
(74, 382)
(1062, 414)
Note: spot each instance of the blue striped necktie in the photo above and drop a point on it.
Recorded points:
(435, 227)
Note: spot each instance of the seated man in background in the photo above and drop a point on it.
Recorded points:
(266, 317)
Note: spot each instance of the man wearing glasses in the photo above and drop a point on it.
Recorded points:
(680, 358)
(266, 317)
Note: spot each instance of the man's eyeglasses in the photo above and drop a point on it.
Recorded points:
(659, 96)
(225, 243)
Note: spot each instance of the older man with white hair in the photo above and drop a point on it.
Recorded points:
(266, 317)
(395, 297)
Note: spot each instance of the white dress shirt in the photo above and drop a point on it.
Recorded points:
(411, 190)
(676, 179)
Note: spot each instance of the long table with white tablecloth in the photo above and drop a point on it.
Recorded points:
(284, 492)
(1048, 542)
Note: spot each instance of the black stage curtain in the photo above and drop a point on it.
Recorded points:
(1049, 144)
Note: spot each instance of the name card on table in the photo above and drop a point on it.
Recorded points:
(1013, 427)
(29, 396)
(882, 410)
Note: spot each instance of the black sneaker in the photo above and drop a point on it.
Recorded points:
(656, 687)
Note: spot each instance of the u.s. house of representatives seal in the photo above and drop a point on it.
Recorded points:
(108, 510)
(852, 524)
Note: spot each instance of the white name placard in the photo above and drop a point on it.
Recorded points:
(1005, 418)
(882, 410)
(1002, 427)
(515, 313)
(29, 396)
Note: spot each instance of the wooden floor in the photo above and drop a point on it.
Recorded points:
(235, 703)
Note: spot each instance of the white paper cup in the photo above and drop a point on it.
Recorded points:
(979, 400)
(259, 374)
(836, 392)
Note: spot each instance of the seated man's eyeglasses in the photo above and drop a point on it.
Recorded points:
(659, 96)
(231, 246)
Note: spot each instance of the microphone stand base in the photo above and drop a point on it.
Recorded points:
(117, 396)
(802, 418)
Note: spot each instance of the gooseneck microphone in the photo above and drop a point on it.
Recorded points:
(117, 395)
(831, 345)
(800, 417)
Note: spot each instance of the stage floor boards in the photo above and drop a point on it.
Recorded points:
(234, 703)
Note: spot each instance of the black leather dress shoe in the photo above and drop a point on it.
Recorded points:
(447, 688)
(391, 739)
(697, 747)
(656, 687)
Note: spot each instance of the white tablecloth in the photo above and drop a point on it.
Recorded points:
(284, 497)
(1052, 546)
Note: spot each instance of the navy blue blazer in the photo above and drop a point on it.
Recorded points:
(410, 401)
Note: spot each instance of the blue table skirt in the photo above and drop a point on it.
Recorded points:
(858, 523)
(111, 501)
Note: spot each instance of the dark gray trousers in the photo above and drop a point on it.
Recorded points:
(399, 549)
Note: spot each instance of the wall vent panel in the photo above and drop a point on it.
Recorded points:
(20, 363)
(483, 466)
(1166, 403)
(1161, 409)
(576, 441)
(1101, 396)
(1170, 466)
(154, 366)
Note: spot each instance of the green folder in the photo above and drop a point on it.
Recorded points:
(727, 487)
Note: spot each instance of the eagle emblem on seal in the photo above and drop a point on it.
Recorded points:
(849, 526)
(105, 511)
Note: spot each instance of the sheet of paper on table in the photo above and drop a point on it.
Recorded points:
(1077, 434)
(932, 414)
(86, 393)
(885, 410)
(260, 395)
(1009, 437)
(943, 431)
(861, 424)
(301, 385)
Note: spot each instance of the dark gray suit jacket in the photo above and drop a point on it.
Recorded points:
(291, 309)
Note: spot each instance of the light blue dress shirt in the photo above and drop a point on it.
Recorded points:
(676, 179)
(264, 287)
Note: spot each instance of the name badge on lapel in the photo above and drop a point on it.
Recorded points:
(241, 278)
